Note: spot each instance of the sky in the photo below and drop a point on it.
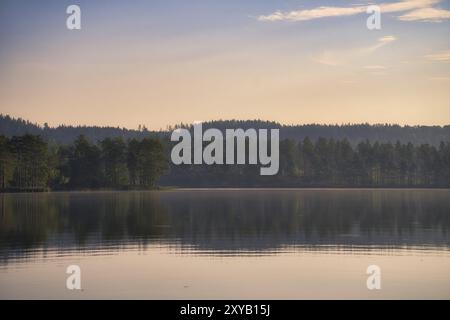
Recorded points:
(164, 62)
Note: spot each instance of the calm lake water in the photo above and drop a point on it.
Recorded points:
(226, 244)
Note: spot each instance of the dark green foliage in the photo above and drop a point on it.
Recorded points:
(114, 156)
(7, 163)
(330, 163)
(336, 163)
(30, 156)
(146, 161)
(28, 163)
(85, 165)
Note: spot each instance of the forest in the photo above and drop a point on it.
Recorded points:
(354, 133)
(330, 163)
(38, 158)
(30, 163)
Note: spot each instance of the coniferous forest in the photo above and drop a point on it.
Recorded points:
(28, 163)
(35, 162)
(330, 163)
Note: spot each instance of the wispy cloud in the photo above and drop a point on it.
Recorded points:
(419, 10)
(426, 14)
(328, 58)
(381, 43)
(336, 58)
(439, 56)
(407, 5)
(316, 13)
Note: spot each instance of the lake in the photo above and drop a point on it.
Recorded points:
(226, 244)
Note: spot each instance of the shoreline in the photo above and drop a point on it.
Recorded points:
(162, 189)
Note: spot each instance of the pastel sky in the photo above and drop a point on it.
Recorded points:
(169, 61)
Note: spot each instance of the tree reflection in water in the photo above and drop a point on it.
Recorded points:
(221, 221)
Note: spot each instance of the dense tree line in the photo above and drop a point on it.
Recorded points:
(336, 162)
(29, 163)
(355, 133)
(330, 163)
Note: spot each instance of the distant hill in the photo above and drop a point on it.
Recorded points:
(10, 126)
(355, 133)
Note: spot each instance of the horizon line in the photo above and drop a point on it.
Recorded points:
(188, 124)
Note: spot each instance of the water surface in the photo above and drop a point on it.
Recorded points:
(242, 243)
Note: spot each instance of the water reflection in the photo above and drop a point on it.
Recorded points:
(223, 222)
